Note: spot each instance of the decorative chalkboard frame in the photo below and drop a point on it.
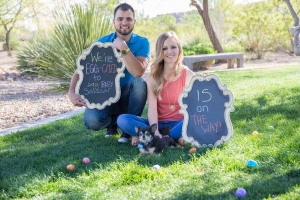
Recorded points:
(109, 49)
(198, 135)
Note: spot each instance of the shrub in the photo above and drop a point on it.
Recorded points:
(233, 48)
(198, 49)
(54, 56)
(31, 52)
(14, 44)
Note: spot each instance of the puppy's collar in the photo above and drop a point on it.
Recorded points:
(140, 145)
(149, 142)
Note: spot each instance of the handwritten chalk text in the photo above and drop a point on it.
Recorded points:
(95, 90)
(202, 108)
(199, 119)
(91, 68)
(101, 58)
(211, 127)
(207, 94)
(207, 127)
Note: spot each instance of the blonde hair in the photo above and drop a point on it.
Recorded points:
(157, 67)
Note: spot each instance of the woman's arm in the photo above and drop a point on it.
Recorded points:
(152, 103)
(189, 75)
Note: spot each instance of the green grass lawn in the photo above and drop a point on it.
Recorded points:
(33, 162)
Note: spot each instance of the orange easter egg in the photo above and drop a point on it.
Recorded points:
(193, 150)
(70, 167)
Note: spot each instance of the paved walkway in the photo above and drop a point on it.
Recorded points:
(40, 122)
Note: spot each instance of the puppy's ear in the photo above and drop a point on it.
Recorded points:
(153, 128)
(165, 130)
(137, 129)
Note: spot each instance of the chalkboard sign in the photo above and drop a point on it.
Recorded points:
(206, 105)
(100, 68)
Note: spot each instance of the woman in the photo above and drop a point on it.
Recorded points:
(164, 85)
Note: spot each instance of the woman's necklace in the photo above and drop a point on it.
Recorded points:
(171, 106)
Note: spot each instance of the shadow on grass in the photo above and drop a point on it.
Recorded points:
(259, 108)
(259, 189)
(47, 150)
(44, 153)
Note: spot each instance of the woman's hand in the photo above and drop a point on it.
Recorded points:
(158, 134)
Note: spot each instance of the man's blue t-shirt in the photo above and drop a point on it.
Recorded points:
(138, 45)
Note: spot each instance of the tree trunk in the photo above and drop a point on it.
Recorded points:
(293, 12)
(283, 49)
(295, 30)
(8, 47)
(208, 26)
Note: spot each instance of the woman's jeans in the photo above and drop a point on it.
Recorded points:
(127, 123)
(132, 101)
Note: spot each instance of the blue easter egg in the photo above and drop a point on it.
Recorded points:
(240, 192)
(252, 163)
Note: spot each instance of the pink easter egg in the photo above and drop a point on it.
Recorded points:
(86, 160)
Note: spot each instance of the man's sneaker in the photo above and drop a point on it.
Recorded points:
(111, 130)
(124, 138)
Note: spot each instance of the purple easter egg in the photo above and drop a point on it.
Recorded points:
(86, 160)
(240, 192)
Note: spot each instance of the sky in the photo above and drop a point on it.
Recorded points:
(153, 8)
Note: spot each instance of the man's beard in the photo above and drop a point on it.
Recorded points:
(124, 32)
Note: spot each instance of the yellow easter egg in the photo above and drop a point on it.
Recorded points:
(255, 133)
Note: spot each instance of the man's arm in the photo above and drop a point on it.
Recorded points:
(135, 65)
(75, 98)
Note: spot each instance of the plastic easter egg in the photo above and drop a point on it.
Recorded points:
(86, 160)
(240, 192)
(252, 163)
(271, 128)
(156, 167)
(70, 167)
(255, 133)
(192, 150)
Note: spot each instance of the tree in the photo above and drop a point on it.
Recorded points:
(204, 13)
(10, 13)
(203, 10)
(295, 30)
(252, 25)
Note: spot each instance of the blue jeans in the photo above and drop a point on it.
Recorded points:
(127, 123)
(132, 101)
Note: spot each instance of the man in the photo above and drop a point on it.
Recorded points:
(135, 51)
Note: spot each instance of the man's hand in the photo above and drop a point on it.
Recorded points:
(120, 44)
(76, 100)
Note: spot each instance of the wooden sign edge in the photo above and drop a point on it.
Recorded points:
(228, 105)
(117, 79)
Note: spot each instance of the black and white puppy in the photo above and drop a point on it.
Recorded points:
(152, 144)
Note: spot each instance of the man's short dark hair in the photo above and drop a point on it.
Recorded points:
(124, 7)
